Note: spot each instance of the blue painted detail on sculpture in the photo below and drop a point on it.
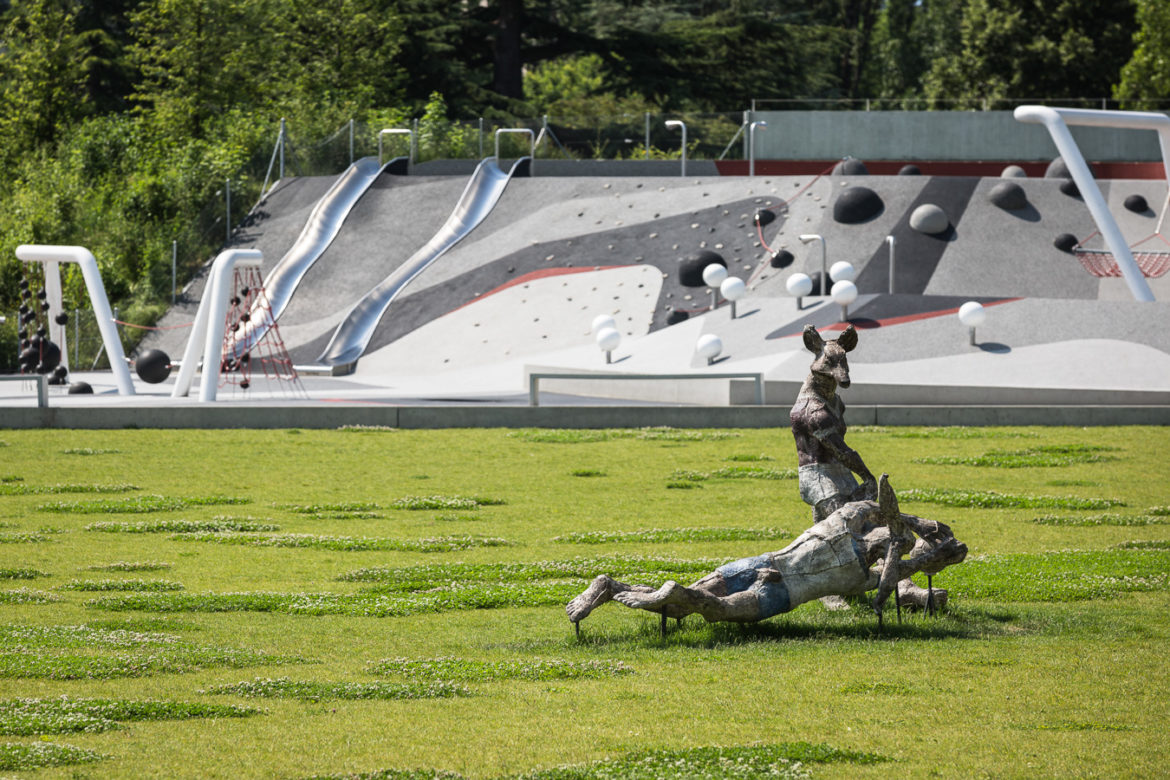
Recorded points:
(774, 599)
(741, 575)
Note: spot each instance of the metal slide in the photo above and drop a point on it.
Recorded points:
(322, 227)
(479, 197)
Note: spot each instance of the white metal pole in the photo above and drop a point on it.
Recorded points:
(282, 136)
(890, 243)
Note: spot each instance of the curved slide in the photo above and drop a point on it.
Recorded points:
(479, 197)
(320, 229)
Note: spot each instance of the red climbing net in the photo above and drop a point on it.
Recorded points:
(249, 312)
(1102, 263)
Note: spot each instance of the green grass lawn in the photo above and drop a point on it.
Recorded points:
(390, 604)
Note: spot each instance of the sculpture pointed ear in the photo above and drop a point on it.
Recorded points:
(887, 501)
(812, 340)
(848, 340)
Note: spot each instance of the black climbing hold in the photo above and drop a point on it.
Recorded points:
(42, 295)
(850, 166)
(1008, 195)
(41, 331)
(245, 317)
(857, 204)
(235, 301)
(61, 319)
(24, 284)
(23, 309)
(245, 358)
(1057, 170)
(153, 366)
(80, 388)
(690, 270)
(781, 258)
(245, 384)
(244, 292)
(1065, 242)
(58, 375)
(1069, 187)
(676, 316)
(1137, 204)
(909, 170)
(44, 305)
(765, 217)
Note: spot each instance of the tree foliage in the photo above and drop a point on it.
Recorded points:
(1145, 79)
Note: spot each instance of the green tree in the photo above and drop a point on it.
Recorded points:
(1033, 49)
(1145, 79)
(43, 71)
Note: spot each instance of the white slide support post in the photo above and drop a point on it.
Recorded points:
(207, 331)
(1057, 120)
(51, 256)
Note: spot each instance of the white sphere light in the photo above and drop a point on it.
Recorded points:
(732, 288)
(709, 346)
(844, 293)
(799, 285)
(842, 271)
(602, 321)
(714, 274)
(972, 314)
(608, 339)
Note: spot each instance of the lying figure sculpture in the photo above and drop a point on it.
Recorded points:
(856, 549)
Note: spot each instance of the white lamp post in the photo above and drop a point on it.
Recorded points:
(844, 293)
(972, 314)
(713, 276)
(673, 123)
(608, 340)
(732, 288)
(890, 242)
(752, 146)
(799, 285)
(806, 238)
(709, 346)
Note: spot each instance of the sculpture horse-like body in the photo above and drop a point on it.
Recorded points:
(855, 549)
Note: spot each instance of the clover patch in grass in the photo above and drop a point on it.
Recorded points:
(27, 596)
(130, 566)
(450, 668)
(20, 573)
(20, 756)
(431, 544)
(215, 525)
(1033, 457)
(779, 760)
(660, 535)
(21, 489)
(1145, 544)
(416, 503)
(128, 585)
(23, 537)
(877, 688)
(1068, 575)
(1108, 518)
(748, 458)
(959, 432)
(1159, 511)
(89, 451)
(584, 436)
(587, 473)
(138, 504)
(62, 715)
(989, 499)
(316, 690)
(682, 485)
(85, 652)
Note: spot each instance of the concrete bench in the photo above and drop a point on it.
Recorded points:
(42, 385)
(535, 377)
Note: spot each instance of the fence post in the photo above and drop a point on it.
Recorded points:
(481, 138)
(174, 267)
(351, 141)
(413, 142)
(76, 336)
(281, 145)
(647, 135)
(227, 192)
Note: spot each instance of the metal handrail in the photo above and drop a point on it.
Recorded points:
(535, 377)
(522, 130)
(397, 131)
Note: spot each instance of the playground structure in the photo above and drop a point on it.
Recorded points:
(375, 285)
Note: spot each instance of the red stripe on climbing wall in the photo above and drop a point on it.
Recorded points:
(543, 273)
(868, 324)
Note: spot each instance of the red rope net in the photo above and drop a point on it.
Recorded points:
(1101, 263)
(249, 303)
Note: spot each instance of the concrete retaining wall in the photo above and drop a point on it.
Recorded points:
(407, 417)
(934, 135)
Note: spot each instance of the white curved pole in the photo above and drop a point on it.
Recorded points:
(207, 332)
(673, 123)
(43, 253)
(752, 146)
(890, 242)
(1056, 120)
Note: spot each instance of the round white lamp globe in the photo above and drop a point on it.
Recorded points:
(733, 288)
(842, 272)
(844, 293)
(602, 321)
(714, 274)
(799, 285)
(608, 339)
(972, 314)
(709, 346)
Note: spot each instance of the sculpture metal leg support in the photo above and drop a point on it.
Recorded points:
(662, 625)
(898, 605)
(930, 594)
